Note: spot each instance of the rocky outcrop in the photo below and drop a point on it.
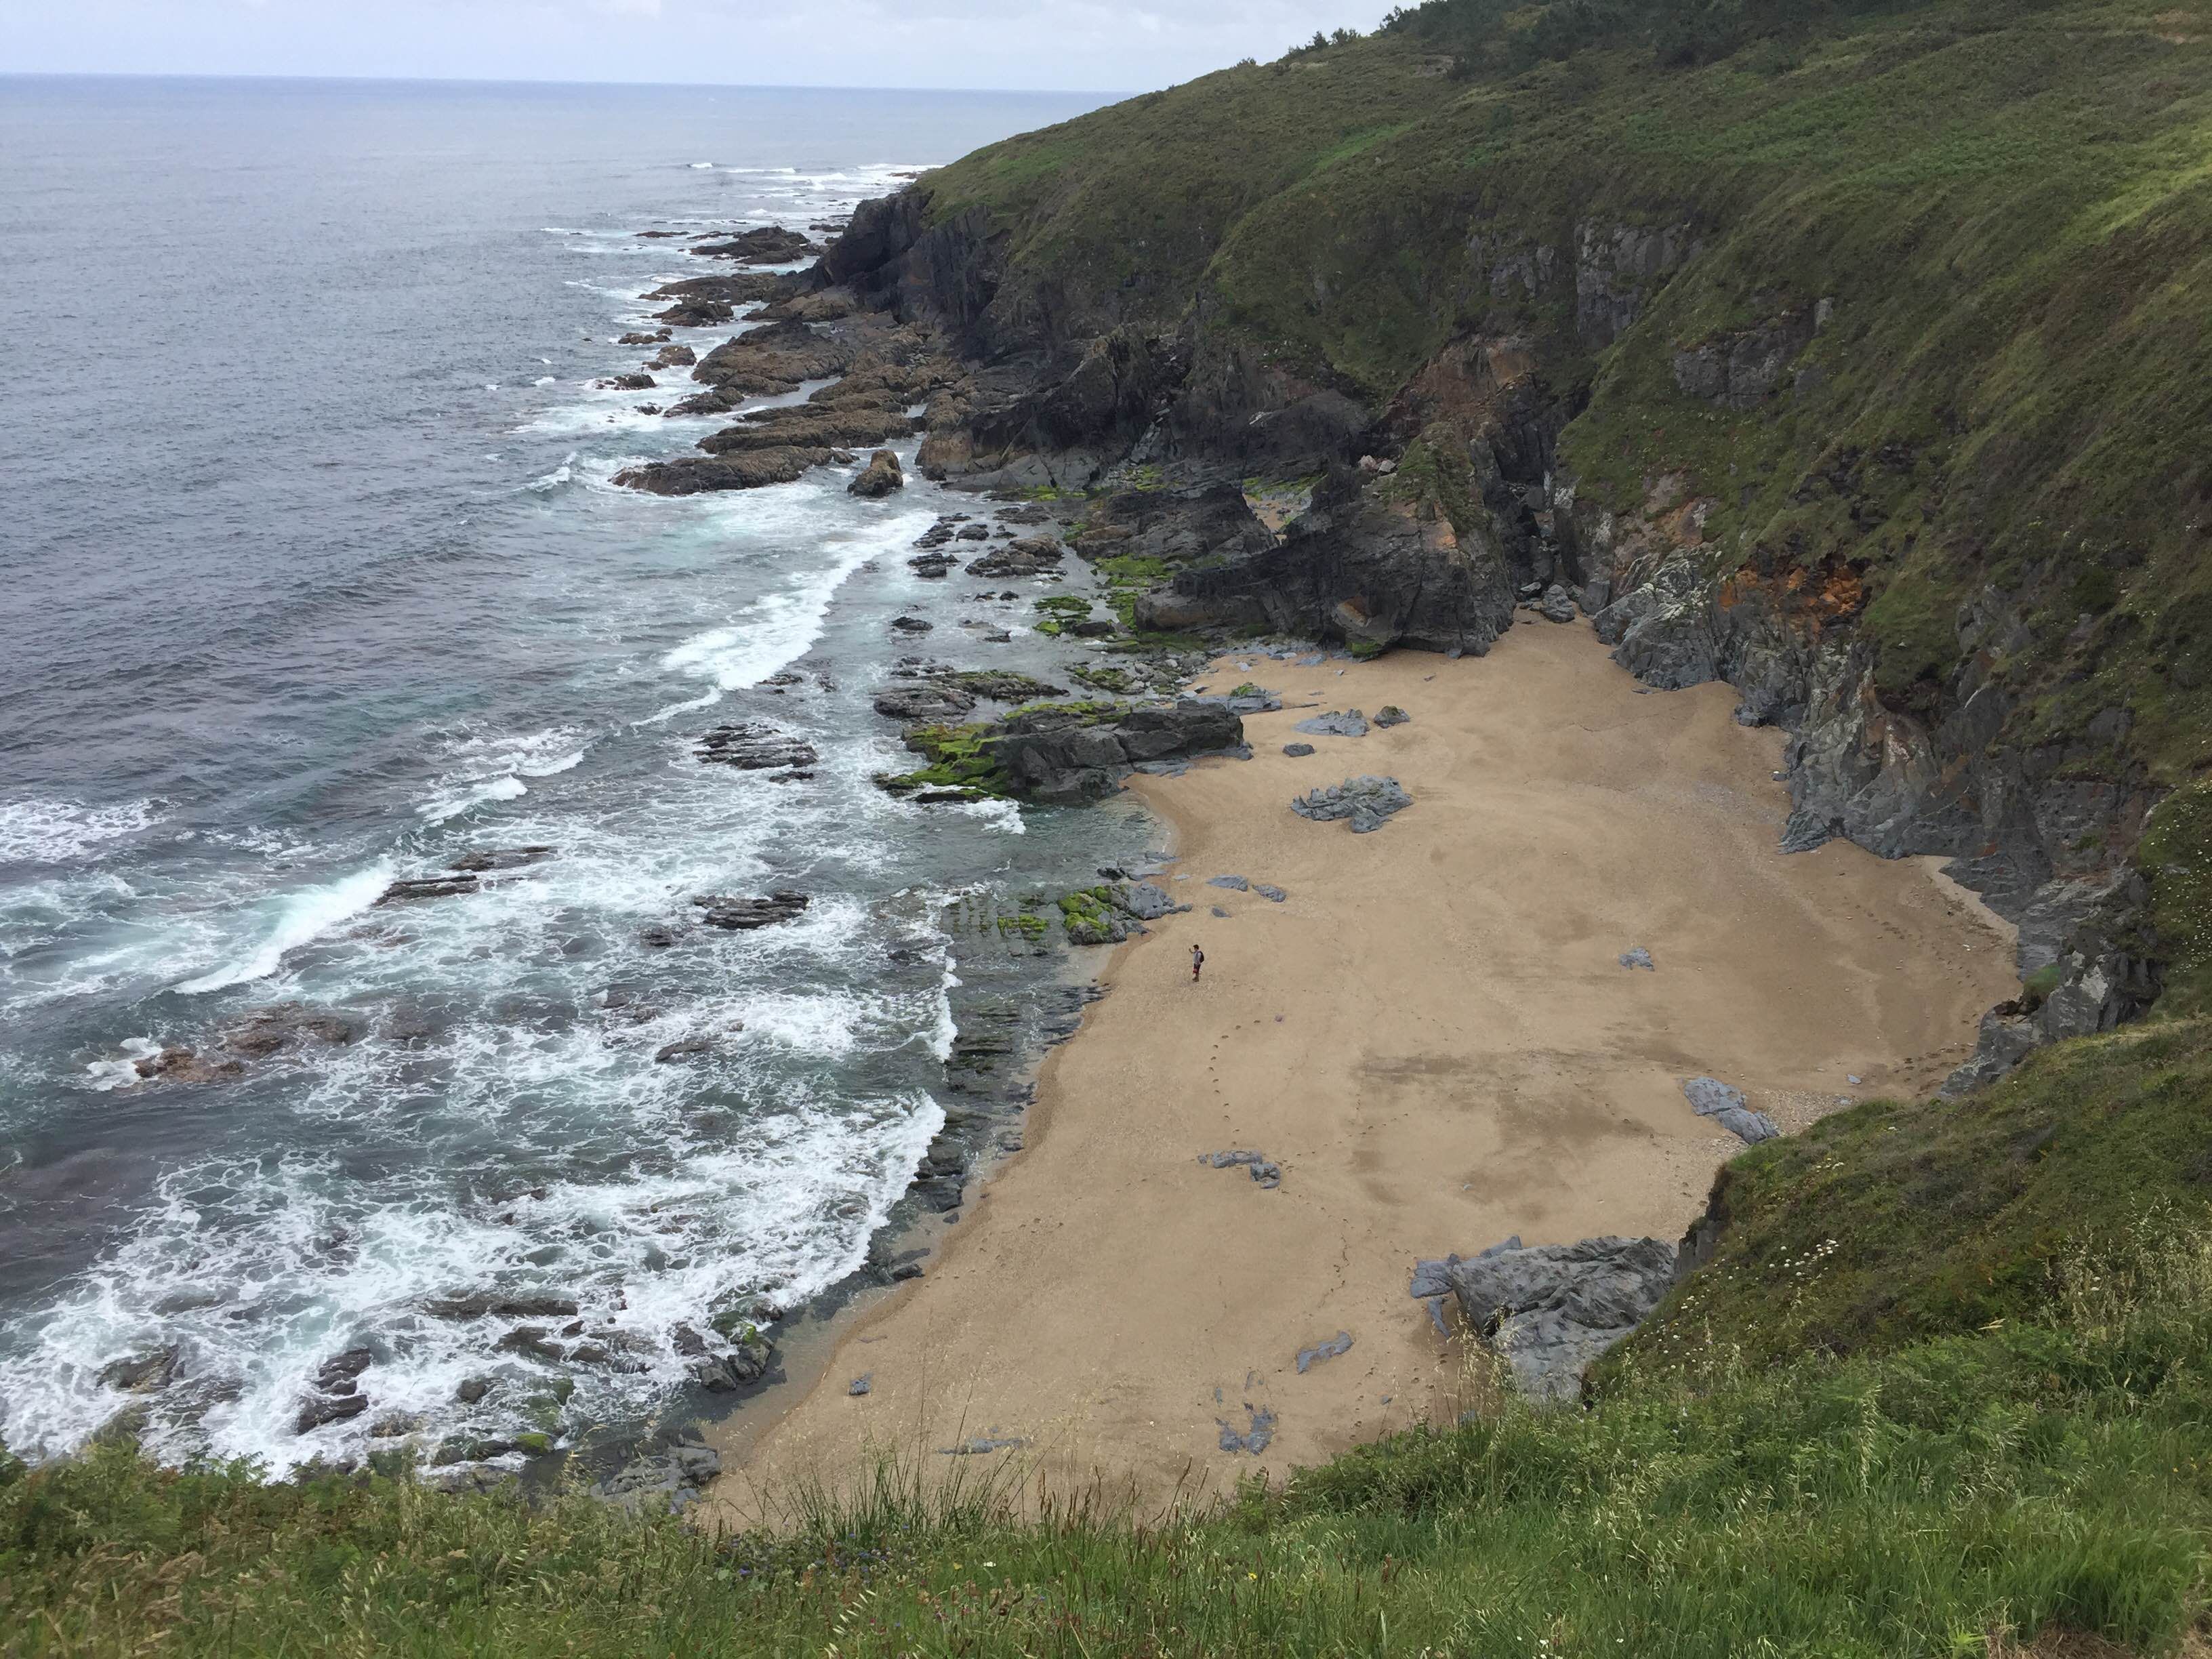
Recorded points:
(1367, 801)
(750, 746)
(695, 474)
(2025, 827)
(770, 245)
(1549, 1311)
(879, 478)
(1060, 754)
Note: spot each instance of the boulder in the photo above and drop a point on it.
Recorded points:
(1337, 723)
(1297, 751)
(751, 747)
(744, 914)
(879, 478)
(1264, 1170)
(1725, 1105)
(1550, 1310)
(1390, 715)
(428, 887)
(926, 700)
(770, 245)
(143, 1373)
(265, 1031)
(1367, 801)
(639, 382)
(501, 858)
(695, 474)
(1032, 555)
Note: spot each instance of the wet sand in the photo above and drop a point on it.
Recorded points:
(1432, 1035)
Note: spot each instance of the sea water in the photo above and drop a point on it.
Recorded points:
(312, 577)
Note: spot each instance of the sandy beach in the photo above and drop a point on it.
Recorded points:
(1435, 1038)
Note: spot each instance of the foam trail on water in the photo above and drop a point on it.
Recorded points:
(301, 918)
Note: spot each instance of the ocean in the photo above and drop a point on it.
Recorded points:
(312, 580)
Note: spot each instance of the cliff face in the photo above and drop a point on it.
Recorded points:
(1867, 371)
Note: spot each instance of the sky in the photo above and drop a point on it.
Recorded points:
(1087, 46)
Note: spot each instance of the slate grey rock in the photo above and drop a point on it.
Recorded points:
(1337, 723)
(1297, 751)
(1556, 605)
(1221, 913)
(1146, 901)
(2006, 1039)
(501, 858)
(1367, 801)
(751, 747)
(1725, 1105)
(1253, 1440)
(981, 1445)
(1234, 883)
(1391, 714)
(1638, 957)
(1550, 1310)
(144, 1373)
(1266, 1174)
(861, 1385)
(1308, 1358)
(744, 914)
(1273, 895)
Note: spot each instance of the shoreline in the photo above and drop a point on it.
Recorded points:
(1434, 1039)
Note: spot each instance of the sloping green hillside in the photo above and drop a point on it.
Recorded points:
(2000, 213)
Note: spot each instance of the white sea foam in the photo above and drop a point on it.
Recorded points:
(509, 787)
(563, 474)
(294, 920)
(780, 626)
(121, 1071)
(259, 1272)
(63, 831)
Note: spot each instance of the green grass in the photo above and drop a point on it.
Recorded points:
(2177, 854)
(1885, 1222)
(1986, 1414)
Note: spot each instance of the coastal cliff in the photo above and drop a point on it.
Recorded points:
(1853, 367)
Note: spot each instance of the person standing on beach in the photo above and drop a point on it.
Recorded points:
(1197, 962)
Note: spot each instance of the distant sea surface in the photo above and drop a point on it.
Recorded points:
(312, 578)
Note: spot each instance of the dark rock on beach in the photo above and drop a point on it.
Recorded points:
(1337, 723)
(1335, 1347)
(1264, 1170)
(1297, 751)
(1367, 801)
(1057, 755)
(1550, 1310)
(1725, 1105)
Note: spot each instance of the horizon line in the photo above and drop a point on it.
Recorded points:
(524, 81)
